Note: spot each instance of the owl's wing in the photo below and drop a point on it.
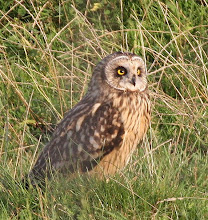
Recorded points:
(83, 137)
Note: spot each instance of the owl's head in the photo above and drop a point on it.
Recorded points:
(123, 71)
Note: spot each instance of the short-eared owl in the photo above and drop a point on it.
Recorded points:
(99, 134)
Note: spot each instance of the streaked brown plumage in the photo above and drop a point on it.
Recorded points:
(101, 132)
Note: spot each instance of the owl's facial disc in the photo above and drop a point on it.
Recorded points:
(127, 74)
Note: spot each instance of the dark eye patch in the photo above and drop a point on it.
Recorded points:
(121, 71)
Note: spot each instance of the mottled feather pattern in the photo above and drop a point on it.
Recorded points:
(79, 141)
(101, 132)
(135, 122)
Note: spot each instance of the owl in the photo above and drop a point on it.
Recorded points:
(99, 134)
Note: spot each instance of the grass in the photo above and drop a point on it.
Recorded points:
(48, 50)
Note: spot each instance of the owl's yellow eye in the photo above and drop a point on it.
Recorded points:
(138, 72)
(121, 71)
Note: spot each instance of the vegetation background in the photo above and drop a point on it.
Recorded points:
(47, 53)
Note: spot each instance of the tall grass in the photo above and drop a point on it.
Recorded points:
(48, 50)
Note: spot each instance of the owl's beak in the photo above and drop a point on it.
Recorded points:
(134, 83)
(137, 84)
(133, 80)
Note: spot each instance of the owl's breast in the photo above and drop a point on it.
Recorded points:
(135, 113)
(135, 116)
(134, 110)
